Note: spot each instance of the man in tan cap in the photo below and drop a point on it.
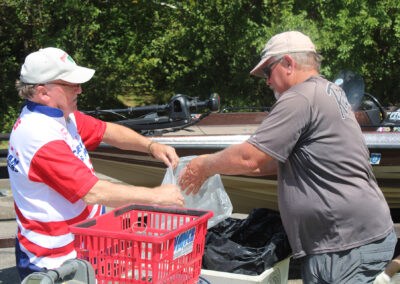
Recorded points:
(51, 176)
(336, 217)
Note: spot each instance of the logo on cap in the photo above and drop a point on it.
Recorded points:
(65, 55)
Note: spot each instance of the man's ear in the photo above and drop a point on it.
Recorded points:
(41, 96)
(289, 63)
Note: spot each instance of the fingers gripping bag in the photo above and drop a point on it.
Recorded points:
(211, 195)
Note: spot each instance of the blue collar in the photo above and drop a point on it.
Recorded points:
(49, 111)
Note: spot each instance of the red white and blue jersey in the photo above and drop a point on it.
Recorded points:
(50, 171)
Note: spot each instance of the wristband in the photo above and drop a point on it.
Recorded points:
(149, 151)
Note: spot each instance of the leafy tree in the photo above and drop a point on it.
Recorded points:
(149, 50)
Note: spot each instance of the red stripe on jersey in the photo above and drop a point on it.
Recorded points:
(45, 252)
(55, 165)
(90, 129)
(56, 228)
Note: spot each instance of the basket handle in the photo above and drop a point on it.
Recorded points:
(159, 209)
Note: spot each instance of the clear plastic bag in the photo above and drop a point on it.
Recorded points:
(211, 196)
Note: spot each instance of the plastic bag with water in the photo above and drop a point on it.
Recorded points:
(211, 195)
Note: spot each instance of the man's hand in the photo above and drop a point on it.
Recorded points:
(165, 153)
(193, 176)
(169, 195)
(126, 139)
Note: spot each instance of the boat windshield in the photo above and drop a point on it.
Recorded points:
(353, 85)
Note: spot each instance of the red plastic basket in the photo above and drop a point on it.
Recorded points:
(144, 244)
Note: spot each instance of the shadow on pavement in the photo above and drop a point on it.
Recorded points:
(9, 275)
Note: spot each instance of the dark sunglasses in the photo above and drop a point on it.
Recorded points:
(67, 85)
(267, 69)
(61, 84)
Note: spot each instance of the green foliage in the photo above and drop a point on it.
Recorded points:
(364, 37)
(7, 120)
(150, 50)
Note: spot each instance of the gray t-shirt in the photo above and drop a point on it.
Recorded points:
(328, 197)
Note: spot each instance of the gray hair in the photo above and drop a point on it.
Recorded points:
(25, 91)
(306, 60)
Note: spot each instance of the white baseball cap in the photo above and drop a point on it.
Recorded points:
(283, 43)
(50, 64)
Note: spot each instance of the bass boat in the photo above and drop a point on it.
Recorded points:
(182, 125)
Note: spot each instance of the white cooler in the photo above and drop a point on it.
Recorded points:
(275, 275)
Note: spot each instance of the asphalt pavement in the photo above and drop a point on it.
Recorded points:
(8, 228)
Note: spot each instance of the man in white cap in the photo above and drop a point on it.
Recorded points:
(51, 176)
(336, 217)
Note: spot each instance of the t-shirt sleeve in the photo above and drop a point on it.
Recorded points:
(55, 165)
(90, 129)
(280, 131)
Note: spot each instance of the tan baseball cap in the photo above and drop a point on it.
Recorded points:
(50, 64)
(283, 43)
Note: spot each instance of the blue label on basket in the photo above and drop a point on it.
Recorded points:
(184, 243)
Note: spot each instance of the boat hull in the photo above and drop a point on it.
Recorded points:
(245, 193)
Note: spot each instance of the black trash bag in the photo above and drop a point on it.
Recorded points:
(248, 246)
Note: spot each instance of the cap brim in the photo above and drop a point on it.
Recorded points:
(78, 76)
(257, 71)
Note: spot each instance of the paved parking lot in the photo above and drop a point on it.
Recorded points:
(8, 271)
